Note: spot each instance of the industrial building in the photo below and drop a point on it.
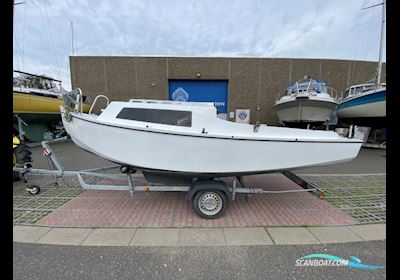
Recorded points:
(231, 82)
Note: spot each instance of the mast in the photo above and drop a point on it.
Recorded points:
(379, 70)
(72, 37)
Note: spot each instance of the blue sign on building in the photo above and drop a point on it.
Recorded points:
(201, 91)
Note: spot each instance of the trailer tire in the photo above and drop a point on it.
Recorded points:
(210, 204)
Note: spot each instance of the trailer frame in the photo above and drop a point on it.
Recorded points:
(205, 195)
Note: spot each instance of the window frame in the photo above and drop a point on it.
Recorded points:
(182, 118)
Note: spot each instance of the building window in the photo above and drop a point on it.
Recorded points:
(169, 117)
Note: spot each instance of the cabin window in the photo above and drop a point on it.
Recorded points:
(359, 90)
(169, 117)
(368, 87)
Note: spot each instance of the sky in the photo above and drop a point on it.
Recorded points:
(330, 29)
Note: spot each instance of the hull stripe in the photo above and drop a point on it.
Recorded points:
(370, 98)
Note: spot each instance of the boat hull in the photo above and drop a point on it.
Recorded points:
(304, 110)
(38, 124)
(202, 156)
(38, 112)
(369, 105)
(34, 104)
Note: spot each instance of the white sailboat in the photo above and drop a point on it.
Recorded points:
(36, 101)
(188, 138)
(366, 102)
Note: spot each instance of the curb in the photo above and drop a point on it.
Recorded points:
(198, 236)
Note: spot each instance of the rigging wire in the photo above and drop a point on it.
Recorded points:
(23, 38)
(17, 42)
(68, 37)
(371, 35)
(51, 40)
(357, 70)
(17, 57)
(356, 49)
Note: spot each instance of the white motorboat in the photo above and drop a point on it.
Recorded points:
(366, 103)
(188, 138)
(305, 102)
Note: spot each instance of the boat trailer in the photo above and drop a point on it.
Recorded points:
(209, 198)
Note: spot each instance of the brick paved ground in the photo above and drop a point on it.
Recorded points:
(167, 209)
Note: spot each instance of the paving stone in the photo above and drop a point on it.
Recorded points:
(65, 236)
(201, 237)
(292, 235)
(29, 234)
(246, 236)
(370, 232)
(170, 209)
(156, 237)
(110, 237)
(338, 234)
(198, 236)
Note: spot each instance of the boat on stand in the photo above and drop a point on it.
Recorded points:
(306, 102)
(365, 104)
(36, 103)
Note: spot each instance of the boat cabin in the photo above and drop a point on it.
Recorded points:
(358, 89)
(306, 88)
(160, 113)
(311, 86)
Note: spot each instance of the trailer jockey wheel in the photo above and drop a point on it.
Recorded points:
(210, 204)
(125, 169)
(33, 189)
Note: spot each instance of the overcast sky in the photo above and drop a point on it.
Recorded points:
(336, 29)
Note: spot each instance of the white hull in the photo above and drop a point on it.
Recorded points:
(207, 154)
(304, 110)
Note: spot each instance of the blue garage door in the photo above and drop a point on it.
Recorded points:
(201, 91)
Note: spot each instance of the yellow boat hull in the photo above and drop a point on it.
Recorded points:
(27, 103)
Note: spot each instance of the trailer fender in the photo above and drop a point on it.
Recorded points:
(208, 185)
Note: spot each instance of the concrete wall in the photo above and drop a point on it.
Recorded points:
(253, 82)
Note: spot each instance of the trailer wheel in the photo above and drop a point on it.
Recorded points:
(210, 204)
(33, 189)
